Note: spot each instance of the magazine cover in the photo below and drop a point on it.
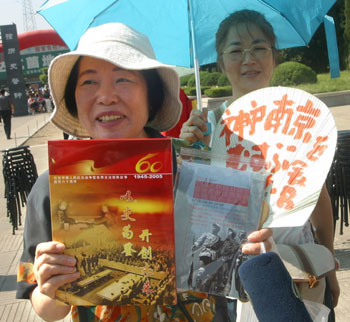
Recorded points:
(112, 207)
(215, 210)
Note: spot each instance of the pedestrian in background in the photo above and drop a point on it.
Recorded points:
(32, 104)
(6, 111)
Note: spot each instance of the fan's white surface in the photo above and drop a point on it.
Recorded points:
(296, 135)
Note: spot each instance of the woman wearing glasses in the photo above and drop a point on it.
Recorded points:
(245, 44)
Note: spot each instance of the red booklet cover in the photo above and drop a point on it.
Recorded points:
(112, 207)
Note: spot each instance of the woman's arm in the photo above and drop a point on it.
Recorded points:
(42, 259)
(46, 307)
(322, 220)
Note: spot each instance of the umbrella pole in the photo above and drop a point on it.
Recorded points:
(198, 84)
(195, 58)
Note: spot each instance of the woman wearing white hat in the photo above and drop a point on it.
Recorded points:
(110, 87)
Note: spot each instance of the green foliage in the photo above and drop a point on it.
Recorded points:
(347, 20)
(190, 91)
(315, 54)
(43, 76)
(204, 88)
(213, 67)
(184, 79)
(192, 80)
(347, 30)
(219, 91)
(326, 84)
(211, 79)
(292, 73)
(223, 80)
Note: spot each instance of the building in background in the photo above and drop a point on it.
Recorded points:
(37, 49)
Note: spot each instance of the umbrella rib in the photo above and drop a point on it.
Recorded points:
(282, 15)
(105, 9)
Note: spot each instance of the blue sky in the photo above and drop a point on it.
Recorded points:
(11, 12)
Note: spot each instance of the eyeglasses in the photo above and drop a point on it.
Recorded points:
(257, 51)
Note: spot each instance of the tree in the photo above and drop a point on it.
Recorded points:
(347, 31)
(315, 55)
(43, 76)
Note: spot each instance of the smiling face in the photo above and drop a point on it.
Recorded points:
(111, 102)
(248, 73)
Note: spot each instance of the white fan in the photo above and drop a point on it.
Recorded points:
(295, 133)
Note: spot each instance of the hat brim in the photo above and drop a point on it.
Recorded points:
(127, 58)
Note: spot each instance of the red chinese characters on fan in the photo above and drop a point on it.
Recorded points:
(284, 133)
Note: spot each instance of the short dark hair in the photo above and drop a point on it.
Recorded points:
(2, 91)
(247, 17)
(155, 91)
(69, 92)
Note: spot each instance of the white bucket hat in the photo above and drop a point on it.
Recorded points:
(128, 49)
